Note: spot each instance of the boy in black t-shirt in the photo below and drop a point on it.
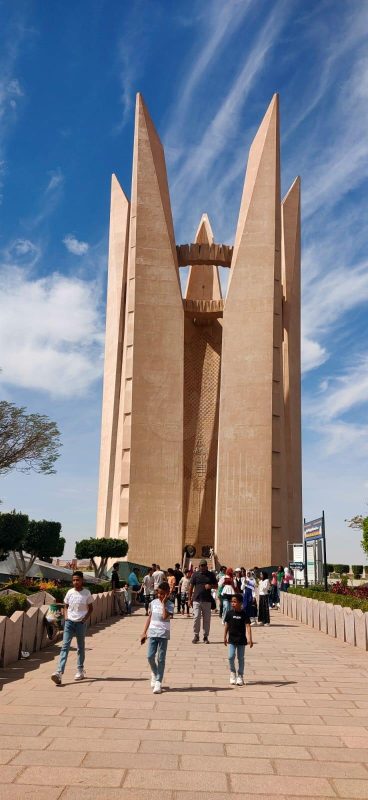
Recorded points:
(237, 629)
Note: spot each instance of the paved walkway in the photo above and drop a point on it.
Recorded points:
(298, 729)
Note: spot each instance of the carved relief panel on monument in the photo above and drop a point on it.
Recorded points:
(202, 365)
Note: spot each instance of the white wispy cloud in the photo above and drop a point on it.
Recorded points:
(48, 200)
(75, 246)
(197, 175)
(342, 163)
(50, 332)
(56, 180)
(313, 354)
(22, 252)
(350, 32)
(11, 90)
(218, 23)
(342, 392)
(132, 53)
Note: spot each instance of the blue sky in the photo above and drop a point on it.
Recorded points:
(207, 70)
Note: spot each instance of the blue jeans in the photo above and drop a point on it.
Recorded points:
(77, 629)
(157, 646)
(226, 605)
(233, 650)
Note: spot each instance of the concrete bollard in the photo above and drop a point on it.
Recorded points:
(12, 638)
(323, 616)
(29, 633)
(340, 623)
(331, 621)
(349, 620)
(315, 614)
(361, 637)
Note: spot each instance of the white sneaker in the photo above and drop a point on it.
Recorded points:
(80, 675)
(56, 677)
(232, 678)
(157, 688)
(153, 679)
(239, 681)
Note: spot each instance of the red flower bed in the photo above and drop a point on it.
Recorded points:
(354, 591)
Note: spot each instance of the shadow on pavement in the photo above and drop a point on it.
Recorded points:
(18, 670)
(189, 689)
(271, 683)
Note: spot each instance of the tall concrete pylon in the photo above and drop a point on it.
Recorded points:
(149, 456)
(250, 479)
(291, 280)
(115, 323)
(203, 281)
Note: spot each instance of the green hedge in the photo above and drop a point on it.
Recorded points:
(329, 597)
(357, 570)
(9, 603)
(58, 592)
(341, 569)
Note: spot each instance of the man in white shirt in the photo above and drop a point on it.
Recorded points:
(158, 576)
(78, 604)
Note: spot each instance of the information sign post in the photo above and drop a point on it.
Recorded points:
(324, 552)
(313, 531)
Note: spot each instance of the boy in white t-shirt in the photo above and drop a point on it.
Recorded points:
(157, 631)
(78, 604)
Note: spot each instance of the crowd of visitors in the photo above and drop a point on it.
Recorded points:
(241, 597)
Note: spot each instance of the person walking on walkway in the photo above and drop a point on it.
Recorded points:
(147, 585)
(201, 584)
(220, 582)
(263, 601)
(228, 589)
(178, 576)
(286, 579)
(183, 592)
(78, 605)
(158, 577)
(236, 635)
(115, 586)
(274, 596)
(172, 583)
(157, 631)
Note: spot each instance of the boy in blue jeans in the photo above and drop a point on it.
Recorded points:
(157, 631)
(237, 634)
(78, 604)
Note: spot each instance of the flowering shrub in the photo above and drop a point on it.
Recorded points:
(361, 592)
(345, 600)
(47, 586)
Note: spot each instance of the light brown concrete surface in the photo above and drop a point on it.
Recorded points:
(297, 729)
(291, 346)
(202, 368)
(251, 481)
(152, 375)
(107, 517)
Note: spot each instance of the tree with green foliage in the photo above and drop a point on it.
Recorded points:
(42, 541)
(28, 540)
(364, 542)
(27, 441)
(355, 522)
(361, 523)
(102, 549)
(13, 531)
